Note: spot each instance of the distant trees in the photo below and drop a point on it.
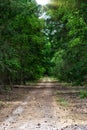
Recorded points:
(69, 41)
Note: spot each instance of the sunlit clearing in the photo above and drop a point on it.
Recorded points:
(42, 2)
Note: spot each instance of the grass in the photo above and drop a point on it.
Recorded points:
(2, 104)
(63, 102)
(57, 92)
(83, 94)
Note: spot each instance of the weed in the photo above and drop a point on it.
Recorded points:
(2, 104)
(57, 92)
(63, 102)
(83, 94)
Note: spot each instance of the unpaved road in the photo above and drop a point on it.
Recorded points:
(40, 111)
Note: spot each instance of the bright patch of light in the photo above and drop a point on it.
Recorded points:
(42, 2)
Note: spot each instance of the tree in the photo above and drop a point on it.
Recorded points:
(22, 42)
(69, 40)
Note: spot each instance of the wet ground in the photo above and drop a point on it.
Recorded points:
(48, 107)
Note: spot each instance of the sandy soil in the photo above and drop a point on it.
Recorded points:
(43, 109)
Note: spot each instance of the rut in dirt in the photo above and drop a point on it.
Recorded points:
(40, 111)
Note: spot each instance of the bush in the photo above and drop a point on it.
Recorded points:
(83, 94)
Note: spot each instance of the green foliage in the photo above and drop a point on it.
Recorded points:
(63, 102)
(58, 63)
(69, 42)
(21, 42)
(30, 47)
(83, 94)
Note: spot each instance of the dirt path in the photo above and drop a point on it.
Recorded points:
(40, 111)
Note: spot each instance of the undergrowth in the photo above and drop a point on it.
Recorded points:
(83, 94)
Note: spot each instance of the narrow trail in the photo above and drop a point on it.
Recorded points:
(40, 111)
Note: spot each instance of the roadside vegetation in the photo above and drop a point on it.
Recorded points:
(68, 39)
(33, 47)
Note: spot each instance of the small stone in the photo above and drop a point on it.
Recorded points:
(7, 115)
(38, 124)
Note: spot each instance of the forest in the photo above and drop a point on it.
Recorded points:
(33, 45)
(43, 64)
